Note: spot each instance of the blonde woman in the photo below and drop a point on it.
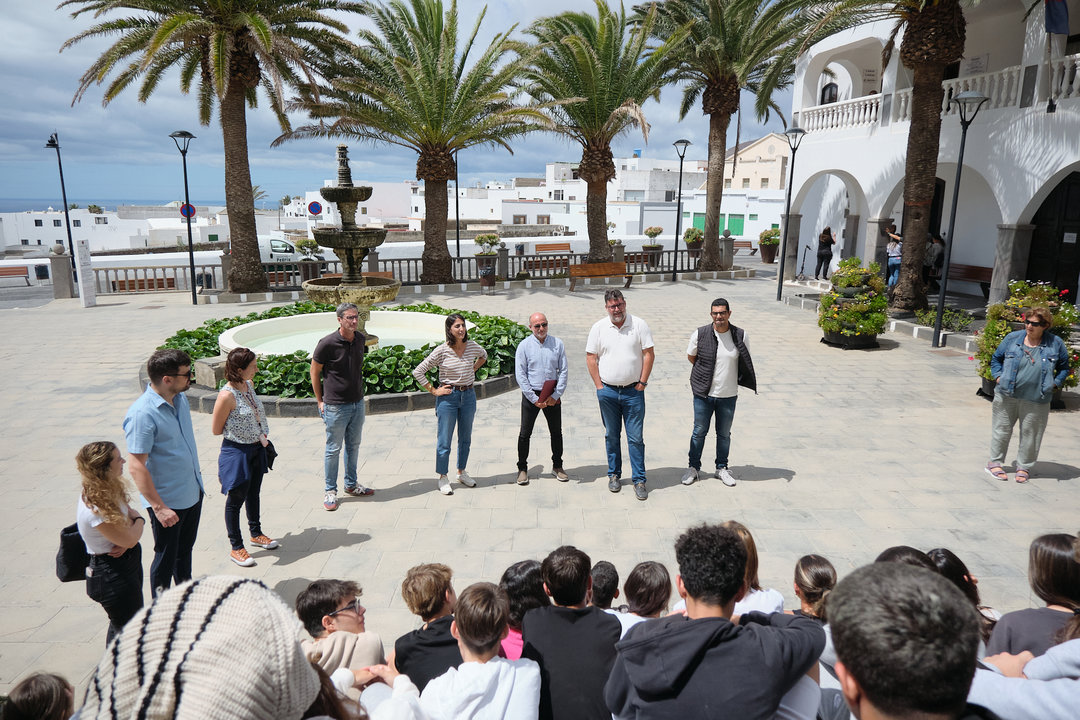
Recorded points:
(111, 529)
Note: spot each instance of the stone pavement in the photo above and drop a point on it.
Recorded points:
(842, 453)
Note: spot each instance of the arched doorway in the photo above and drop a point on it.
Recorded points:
(1055, 242)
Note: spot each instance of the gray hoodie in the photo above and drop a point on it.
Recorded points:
(1050, 692)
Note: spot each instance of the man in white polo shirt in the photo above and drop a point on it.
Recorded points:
(619, 355)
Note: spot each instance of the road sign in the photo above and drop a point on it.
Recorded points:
(314, 207)
(187, 210)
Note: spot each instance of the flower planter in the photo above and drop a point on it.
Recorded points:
(849, 342)
(850, 292)
(693, 247)
(485, 266)
(768, 253)
(652, 254)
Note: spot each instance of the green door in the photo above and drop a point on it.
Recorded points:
(699, 221)
(735, 224)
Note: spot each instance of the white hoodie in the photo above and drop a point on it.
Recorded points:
(494, 690)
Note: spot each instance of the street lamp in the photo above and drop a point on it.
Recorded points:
(54, 142)
(968, 102)
(183, 138)
(680, 148)
(794, 137)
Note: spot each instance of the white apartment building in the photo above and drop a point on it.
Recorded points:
(1019, 203)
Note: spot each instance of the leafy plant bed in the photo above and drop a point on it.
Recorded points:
(852, 313)
(386, 370)
(952, 320)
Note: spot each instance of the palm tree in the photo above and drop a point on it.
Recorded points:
(226, 49)
(257, 193)
(409, 84)
(934, 35)
(595, 72)
(733, 45)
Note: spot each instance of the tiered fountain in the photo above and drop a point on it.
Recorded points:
(351, 244)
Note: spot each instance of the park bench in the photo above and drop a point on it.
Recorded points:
(553, 263)
(16, 271)
(744, 245)
(136, 284)
(973, 273)
(597, 270)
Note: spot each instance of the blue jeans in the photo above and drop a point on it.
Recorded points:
(457, 408)
(343, 426)
(619, 405)
(894, 271)
(705, 408)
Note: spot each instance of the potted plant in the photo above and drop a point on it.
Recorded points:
(652, 249)
(612, 240)
(309, 269)
(852, 313)
(485, 259)
(694, 239)
(769, 243)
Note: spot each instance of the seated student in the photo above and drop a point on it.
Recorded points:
(40, 696)
(707, 664)
(605, 585)
(905, 641)
(907, 555)
(430, 651)
(648, 591)
(333, 616)
(766, 600)
(573, 644)
(1022, 688)
(484, 686)
(524, 590)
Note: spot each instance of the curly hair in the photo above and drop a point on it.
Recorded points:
(106, 496)
(712, 563)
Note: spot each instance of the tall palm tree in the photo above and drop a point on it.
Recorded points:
(409, 84)
(733, 45)
(598, 71)
(227, 49)
(934, 36)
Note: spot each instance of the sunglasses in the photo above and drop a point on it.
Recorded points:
(1036, 323)
(540, 325)
(190, 375)
(354, 606)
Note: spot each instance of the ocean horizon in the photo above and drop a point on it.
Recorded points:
(110, 204)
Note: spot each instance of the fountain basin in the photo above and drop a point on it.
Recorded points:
(335, 238)
(279, 336)
(372, 290)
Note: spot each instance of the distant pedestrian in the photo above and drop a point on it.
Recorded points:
(824, 252)
(540, 368)
(895, 251)
(242, 463)
(337, 378)
(619, 354)
(458, 359)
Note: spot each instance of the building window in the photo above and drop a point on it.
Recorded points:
(574, 174)
(764, 183)
(77, 223)
(829, 93)
(572, 198)
(669, 196)
(543, 219)
(753, 218)
(39, 241)
(25, 241)
(727, 183)
(416, 208)
(56, 223)
(363, 210)
(212, 238)
(558, 194)
(38, 223)
(101, 220)
(520, 219)
(746, 183)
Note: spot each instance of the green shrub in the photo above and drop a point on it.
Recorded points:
(693, 234)
(862, 315)
(769, 237)
(953, 320)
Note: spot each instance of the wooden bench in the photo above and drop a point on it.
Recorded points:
(558, 264)
(22, 271)
(562, 247)
(973, 273)
(744, 245)
(133, 285)
(596, 270)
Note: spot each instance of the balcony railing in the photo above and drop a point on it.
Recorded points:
(1065, 77)
(849, 113)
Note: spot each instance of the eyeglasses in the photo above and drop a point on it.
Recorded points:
(720, 313)
(354, 606)
(612, 306)
(190, 374)
(350, 317)
(1036, 323)
(540, 325)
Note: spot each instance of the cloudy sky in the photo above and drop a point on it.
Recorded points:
(123, 153)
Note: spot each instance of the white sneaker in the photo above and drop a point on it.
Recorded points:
(726, 477)
(444, 485)
(689, 476)
(465, 479)
(330, 500)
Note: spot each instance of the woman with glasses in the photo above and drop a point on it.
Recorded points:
(239, 416)
(458, 359)
(1027, 366)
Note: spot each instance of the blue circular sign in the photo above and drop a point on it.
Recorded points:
(187, 210)
(314, 207)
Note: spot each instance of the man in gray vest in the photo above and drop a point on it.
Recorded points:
(720, 361)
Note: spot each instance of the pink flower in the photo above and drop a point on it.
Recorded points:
(971, 357)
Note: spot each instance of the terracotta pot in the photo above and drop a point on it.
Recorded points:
(768, 253)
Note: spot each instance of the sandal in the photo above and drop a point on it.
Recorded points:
(1022, 476)
(998, 472)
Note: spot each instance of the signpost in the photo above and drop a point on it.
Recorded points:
(314, 207)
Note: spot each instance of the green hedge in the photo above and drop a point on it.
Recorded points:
(386, 370)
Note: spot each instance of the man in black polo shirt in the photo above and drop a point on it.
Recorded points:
(337, 377)
(720, 361)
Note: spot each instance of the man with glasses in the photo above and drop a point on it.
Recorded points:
(164, 464)
(332, 614)
(337, 377)
(619, 355)
(541, 371)
(720, 363)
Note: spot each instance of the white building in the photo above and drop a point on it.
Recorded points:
(1019, 202)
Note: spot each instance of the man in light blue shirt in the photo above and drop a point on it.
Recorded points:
(164, 464)
(540, 359)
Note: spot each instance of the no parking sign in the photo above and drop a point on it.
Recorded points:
(187, 210)
(314, 207)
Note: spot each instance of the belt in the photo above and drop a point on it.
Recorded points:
(619, 387)
(462, 388)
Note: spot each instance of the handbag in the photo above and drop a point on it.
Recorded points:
(271, 453)
(71, 558)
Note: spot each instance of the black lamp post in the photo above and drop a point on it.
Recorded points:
(54, 142)
(794, 137)
(968, 103)
(183, 138)
(680, 148)
(457, 210)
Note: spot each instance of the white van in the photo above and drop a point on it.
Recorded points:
(274, 250)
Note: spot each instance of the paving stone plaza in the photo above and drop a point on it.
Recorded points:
(842, 453)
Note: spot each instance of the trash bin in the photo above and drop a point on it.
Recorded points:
(204, 280)
(519, 248)
(487, 276)
(41, 272)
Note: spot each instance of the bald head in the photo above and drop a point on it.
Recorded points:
(538, 323)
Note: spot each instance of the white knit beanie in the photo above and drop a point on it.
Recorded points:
(217, 647)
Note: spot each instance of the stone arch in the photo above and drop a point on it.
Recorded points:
(835, 198)
(1044, 191)
(852, 58)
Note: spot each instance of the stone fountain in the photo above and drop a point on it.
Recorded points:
(351, 244)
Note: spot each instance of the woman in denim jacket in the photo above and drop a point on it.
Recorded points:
(1027, 366)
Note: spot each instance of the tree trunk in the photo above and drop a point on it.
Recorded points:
(436, 256)
(246, 274)
(596, 219)
(921, 165)
(714, 189)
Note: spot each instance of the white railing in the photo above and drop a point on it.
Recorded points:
(154, 278)
(1002, 87)
(1065, 77)
(849, 113)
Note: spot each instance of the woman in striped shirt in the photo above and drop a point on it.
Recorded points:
(458, 359)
